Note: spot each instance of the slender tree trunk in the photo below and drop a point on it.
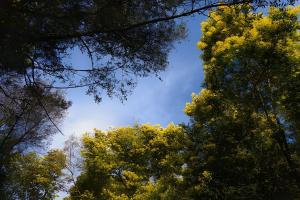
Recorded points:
(282, 141)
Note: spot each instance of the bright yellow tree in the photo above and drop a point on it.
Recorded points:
(246, 119)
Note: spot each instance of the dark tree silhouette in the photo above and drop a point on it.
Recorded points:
(124, 39)
(28, 116)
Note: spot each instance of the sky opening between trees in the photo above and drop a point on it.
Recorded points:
(242, 138)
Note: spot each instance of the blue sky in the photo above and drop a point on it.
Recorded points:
(152, 101)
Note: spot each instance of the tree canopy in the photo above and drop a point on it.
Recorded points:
(252, 61)
(35, 177)
(132, 163)
(28, 117)
(242, 117)
(243, 140)
(122, 38)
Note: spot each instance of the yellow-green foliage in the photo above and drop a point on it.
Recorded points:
(242, 118)
(131, 161)
(235, 35)
(36, 177)
(252, 58)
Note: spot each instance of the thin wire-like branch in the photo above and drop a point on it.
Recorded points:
(71, 69)
(90, 54)
(49, 117)
(10, 131)
(43, 106)
(137, 25)
(74, 86)
(87, 84)
(23, 136)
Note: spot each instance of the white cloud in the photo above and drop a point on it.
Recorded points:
(153, 101)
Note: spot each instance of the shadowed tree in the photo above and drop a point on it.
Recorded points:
(123, 39)
(74, 161)
(28, 117)
(35, 177)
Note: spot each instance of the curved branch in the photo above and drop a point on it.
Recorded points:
(137, 25)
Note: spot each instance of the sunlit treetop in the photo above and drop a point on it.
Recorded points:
(251, 88)
(233, 32)
(131, 163)
(248, 56)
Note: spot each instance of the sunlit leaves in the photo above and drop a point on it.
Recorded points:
(132, 162)
(35, 177)
(242, 120)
